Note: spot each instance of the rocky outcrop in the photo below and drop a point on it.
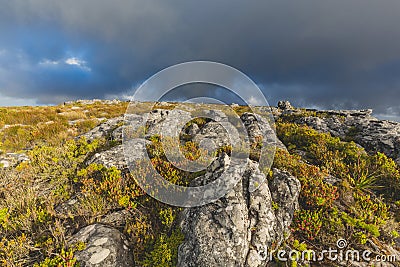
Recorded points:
(360, 126)
(257, 127)
(106, 130)
(284, 105)
(162, 122)
(116, 156)
(212, 136)
(113, 157)
(105, 247)
(235, 229)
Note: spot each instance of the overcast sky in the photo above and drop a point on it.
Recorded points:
(326, 54)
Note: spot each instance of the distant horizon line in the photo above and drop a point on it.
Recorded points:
(379, 116)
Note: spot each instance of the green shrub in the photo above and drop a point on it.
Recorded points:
(370, 209)
(109, 184)
(307, 222)
(314, 191)
(165, 251)
(360, 224)
(344, 160)
(65, 258)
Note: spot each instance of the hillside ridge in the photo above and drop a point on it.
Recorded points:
(335, 176)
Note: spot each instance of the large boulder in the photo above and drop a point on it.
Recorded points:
(235, 229)
(105, 247)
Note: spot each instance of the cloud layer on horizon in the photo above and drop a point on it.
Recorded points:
(328, 54)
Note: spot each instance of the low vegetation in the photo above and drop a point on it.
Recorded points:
(360, 206)
(34, 227)
(363, 203)
(22, 128)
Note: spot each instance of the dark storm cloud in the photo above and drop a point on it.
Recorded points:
(332, 54)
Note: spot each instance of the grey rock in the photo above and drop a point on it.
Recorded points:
(166, 122)
(117, 156)
(133, 122)
(113, 157)
(118, 219)
(255, 126)
(192, 130)
(331, 125)
(105, 129)
(216, 115)
(234, 229)
(284, 105)
(285, 190)
(212, 136)
(222, 133)
(359, 125)
(117, 134)
(259, 128)
(105, 247)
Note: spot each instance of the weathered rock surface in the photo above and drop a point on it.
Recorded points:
(234, 229)
(216, 115)
(134, 149)
(359, 125)
(192, 130)
(105, 129)
(212, 136)
(162, 121)
(105, 247)
(257, 127)
(113, 157)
